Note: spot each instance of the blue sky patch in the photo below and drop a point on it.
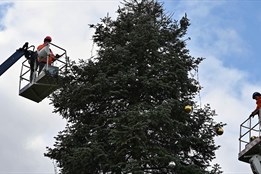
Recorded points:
(3, 10)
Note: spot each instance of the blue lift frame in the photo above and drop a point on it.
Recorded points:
(13, 58)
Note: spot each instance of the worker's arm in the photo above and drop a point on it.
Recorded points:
(255, 112)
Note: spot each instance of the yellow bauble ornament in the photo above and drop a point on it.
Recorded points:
(253, 138)
(188, 108)
(219, 130)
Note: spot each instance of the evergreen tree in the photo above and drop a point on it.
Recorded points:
(125, 107)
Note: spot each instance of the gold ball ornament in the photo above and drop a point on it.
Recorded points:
(253, 138)
(188, 108)
(219, 130)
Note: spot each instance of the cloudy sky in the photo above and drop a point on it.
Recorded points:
(226, 33)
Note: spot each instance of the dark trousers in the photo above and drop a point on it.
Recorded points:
(41, 66)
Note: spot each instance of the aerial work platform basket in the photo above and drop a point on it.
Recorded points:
(249, 140)
(35, 85)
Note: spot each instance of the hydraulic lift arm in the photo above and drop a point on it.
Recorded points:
(13, 58)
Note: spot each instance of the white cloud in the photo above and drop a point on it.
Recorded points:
(36, 143)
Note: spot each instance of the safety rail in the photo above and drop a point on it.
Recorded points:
(37, 85)
(24, 72)
(63, 59)
(247, 130)
(60, 62)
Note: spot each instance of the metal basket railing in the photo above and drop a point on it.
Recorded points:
(248, 129)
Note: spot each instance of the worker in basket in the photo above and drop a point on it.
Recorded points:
(31, 56)
(256, 96)
(45, 54)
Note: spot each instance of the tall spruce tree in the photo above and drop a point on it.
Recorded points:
(125, 107)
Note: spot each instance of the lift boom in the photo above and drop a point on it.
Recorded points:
(13, 58)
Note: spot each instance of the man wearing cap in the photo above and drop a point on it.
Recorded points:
(49, 58)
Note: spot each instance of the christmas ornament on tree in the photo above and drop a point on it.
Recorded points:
(219, 131)
(188, 108)
(253, 138)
